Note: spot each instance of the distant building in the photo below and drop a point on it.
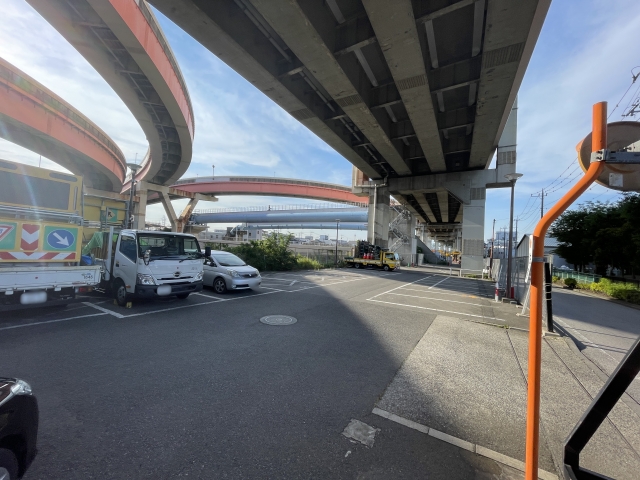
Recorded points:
(324, 237)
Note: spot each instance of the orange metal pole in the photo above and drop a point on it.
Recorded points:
(599, 142)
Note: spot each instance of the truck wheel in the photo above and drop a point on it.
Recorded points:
(182, 296)
(357, 265)
(120, 292)
(219, 285)
(8, 465)
(386, 268)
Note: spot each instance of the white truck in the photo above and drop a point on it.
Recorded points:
(41, 229)
(148, 264)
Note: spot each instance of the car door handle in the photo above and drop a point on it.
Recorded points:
(117, 264)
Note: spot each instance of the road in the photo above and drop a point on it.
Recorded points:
(603, 330)
(200, 388)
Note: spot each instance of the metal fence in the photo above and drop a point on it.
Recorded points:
(578, 276)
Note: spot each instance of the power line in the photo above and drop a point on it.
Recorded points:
(633, 80)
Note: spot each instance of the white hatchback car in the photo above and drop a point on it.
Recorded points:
(224, 271)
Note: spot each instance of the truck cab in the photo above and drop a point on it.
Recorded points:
(148, 264)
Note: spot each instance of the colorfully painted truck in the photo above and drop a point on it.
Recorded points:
(41, 237)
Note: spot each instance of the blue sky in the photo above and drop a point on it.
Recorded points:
(585, 53)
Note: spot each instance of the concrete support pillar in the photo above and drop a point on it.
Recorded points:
(473, 235)
(140, 209)
(186, 213)
(168, 208)
(378, 217)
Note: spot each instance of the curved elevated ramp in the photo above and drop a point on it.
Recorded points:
(123, 41)
(270, 186)
(34, 117)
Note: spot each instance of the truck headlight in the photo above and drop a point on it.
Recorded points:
(233, 273)
(199, 276)
(145, 279)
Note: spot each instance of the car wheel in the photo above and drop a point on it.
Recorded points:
(219, 285)
(182, 296)
(120, 292)
(8, 465)
(357, 265)
(386, 268)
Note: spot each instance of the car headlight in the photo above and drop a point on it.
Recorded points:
(145, 279)
(199, 276)
(21, 388)
(257, 273)
(233, 273)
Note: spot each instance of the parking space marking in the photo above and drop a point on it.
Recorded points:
(444, 280)
(207, 296)
(440, 292)
(271, 288)
(439, 310)
(106, 311)
(52, 321)
(393, 289)
(439, 299)
(102, 309)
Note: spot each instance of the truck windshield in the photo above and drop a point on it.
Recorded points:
(168, 246)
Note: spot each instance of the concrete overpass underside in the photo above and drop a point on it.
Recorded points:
(123, 41)
(402, 89)
(35, 118)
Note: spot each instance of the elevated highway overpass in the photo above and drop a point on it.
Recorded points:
(35, 118)
(269, 186)
(403, 90)
(123, 41)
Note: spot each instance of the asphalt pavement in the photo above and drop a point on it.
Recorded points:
(200, 388)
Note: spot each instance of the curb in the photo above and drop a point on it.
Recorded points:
(458, 442)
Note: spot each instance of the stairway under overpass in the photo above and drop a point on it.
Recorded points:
(404, 89)
(123, 41)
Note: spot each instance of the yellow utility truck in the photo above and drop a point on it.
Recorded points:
(368, 255)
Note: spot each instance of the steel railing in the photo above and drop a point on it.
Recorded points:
(268, 208)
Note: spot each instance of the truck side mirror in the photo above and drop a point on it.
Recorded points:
(146, 256)
(207, 252)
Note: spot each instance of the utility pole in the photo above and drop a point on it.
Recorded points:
(541, 195)
(493, 237)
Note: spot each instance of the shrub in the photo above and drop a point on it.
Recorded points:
(270, 254)
(304, 263)
(570, 282)
(583, 286)
(555, 279)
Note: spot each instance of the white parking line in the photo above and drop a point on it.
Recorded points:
(438, 310)
(271, 288)
(52, 321)
(207, 296)
(105, 310)
(440, 292)
(410, 283)
(439, 299)
(444, 280)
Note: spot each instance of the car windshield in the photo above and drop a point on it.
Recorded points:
(168, 246)
(228, 260)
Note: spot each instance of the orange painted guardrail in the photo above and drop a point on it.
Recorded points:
(599, 142)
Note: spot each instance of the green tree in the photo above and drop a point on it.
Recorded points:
(271, 254)
(574, 236)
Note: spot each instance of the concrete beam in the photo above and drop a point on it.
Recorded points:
(397, 34)
(511, 31)
(422, 201)
(171, 213)
(443, 203)
(297, 30)
(186, 213)
(444, 11)
(223, 29)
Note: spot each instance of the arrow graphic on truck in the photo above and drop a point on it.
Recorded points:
(63, 241)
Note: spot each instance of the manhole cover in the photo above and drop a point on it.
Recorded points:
(278, 320)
